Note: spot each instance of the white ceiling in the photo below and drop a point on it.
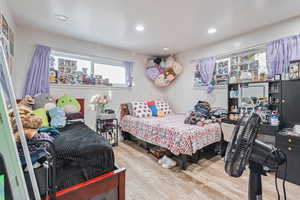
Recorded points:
(177, 24)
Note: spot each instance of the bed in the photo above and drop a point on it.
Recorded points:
(85, 167)
(171, 133)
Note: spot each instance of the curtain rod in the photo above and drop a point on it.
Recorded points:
(239, 51)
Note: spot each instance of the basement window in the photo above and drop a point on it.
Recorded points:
(76, 70)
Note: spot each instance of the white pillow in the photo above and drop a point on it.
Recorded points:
(163, 106)
(140, 109)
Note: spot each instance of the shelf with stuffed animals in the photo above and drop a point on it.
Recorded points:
(163, 70)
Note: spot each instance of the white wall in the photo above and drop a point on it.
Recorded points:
(183, 95)
(27, 38)
(7, 14)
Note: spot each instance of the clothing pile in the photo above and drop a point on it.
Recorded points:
(203, 114)
(200, 114)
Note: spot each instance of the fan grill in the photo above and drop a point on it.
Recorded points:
(240, 146)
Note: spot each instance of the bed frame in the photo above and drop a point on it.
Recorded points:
(182, 159)
(100, 185)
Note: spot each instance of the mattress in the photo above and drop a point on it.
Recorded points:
(170, 132)
(81, 154)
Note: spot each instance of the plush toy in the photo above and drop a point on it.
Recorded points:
(27, 102)
(150, 63)
(163, 64)
(30, 122)
(177, 68)
(58, 117)
(160, 81)
(160, 69)
(157, 60)
(170, 61)
(44, 101)
(170, 74)
(152, 73)
(69, 103)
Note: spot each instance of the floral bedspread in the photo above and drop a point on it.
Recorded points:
(170, 132)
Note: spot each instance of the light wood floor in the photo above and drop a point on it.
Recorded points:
(147, 180)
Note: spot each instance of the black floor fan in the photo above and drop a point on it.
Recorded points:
(244, 148)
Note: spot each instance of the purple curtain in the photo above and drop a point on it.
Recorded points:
(129, 72)
(278, 56)
(37, 76)
(206, 69)
(280, 53)
(295, 47)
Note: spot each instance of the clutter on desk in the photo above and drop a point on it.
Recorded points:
(294, 131)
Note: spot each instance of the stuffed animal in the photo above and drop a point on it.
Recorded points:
(69, 103)
(163, 64)
(44, 101)
(160, 81)
(170, 74)
(30, 122)
(152, 73)
(58, 117)
(177, 68)
(27, 102)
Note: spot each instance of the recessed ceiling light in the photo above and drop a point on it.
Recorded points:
(212, 30)
(166, 49)
(140, 28)
(62, 18)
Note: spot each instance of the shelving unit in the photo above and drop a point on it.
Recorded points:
(275, 95)
(108, 128)
(233, 101)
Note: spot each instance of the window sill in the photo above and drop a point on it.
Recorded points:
(63, 86)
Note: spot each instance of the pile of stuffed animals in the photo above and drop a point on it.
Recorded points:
(43, 110)
(163, 72)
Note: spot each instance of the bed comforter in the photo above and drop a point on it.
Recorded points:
(170, 132)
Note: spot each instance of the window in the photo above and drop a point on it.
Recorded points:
(115, 74)
(70, 69)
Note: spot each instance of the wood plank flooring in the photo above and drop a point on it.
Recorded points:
(206, 180)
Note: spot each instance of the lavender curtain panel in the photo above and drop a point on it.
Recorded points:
(129, 72)
(280, 53)
(37, 77)
(294, 43)
(206, 69)
(278, 56)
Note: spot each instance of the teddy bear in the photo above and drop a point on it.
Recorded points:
(170, 75)
(27, 102)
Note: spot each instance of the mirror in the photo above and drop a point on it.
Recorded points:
(259, 90)
(252, 94)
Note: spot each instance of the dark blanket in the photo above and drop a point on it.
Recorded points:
(81, 154)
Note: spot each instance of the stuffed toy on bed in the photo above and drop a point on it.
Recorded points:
(58, 117)
(30, 122)
(69, 104)
(46, 101)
